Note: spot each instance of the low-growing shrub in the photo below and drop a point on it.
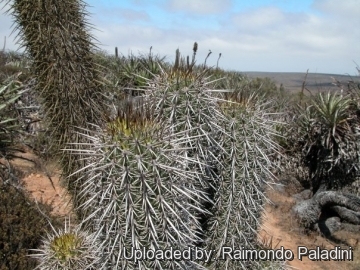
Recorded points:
(21, 224)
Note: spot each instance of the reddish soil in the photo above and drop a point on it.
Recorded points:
(278, 229)
(42, 181)
(42, 190)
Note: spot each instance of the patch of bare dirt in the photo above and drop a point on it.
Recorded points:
(42, 181)
(42, 190)
(279, 228)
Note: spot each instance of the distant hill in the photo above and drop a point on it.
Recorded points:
(293, 81)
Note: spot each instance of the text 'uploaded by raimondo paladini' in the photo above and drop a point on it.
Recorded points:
(241, 254)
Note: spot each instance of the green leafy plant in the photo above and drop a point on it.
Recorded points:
(9, 93)
(329, 138)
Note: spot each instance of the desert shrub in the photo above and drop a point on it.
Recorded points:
(128, 75)
(265, 85)
(9, 93)
(21, 224)
(20, 220)
(328, 138)
(352, 88)
(12, 63)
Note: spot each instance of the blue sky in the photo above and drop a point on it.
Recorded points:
(256, 35)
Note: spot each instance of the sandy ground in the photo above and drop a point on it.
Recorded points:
(43, 183)
(278, 227)
(272, 230)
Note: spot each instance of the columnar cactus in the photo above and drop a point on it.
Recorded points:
(139, 192)
(246, 170)
(183, 98)
(56, 35)
(150, 178)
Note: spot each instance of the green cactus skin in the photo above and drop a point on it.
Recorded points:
(56, 35)
(246, 171)
(183, 98)
(68, 249)
(139, 193)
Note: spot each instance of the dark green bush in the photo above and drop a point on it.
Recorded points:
(21, 225)
(265, 85)
(327, 137)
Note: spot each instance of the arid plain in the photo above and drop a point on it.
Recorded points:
(293, 81)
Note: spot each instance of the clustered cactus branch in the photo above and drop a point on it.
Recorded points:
(166, 170)
(185, 167)
(138, 191)
(246, 171)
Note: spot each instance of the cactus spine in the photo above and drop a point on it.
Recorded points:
(67, 249)
(145, 181)
(55, 33)
(139, 193)
(188, 172)
(186, 101)
(246, 170)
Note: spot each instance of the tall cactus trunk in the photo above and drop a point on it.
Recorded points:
(56, 35)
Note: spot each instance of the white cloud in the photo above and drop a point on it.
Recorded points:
(262, 39)
(122, 14)
(348, 8)
(259, 18)
(295, 33)
(200, 6)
